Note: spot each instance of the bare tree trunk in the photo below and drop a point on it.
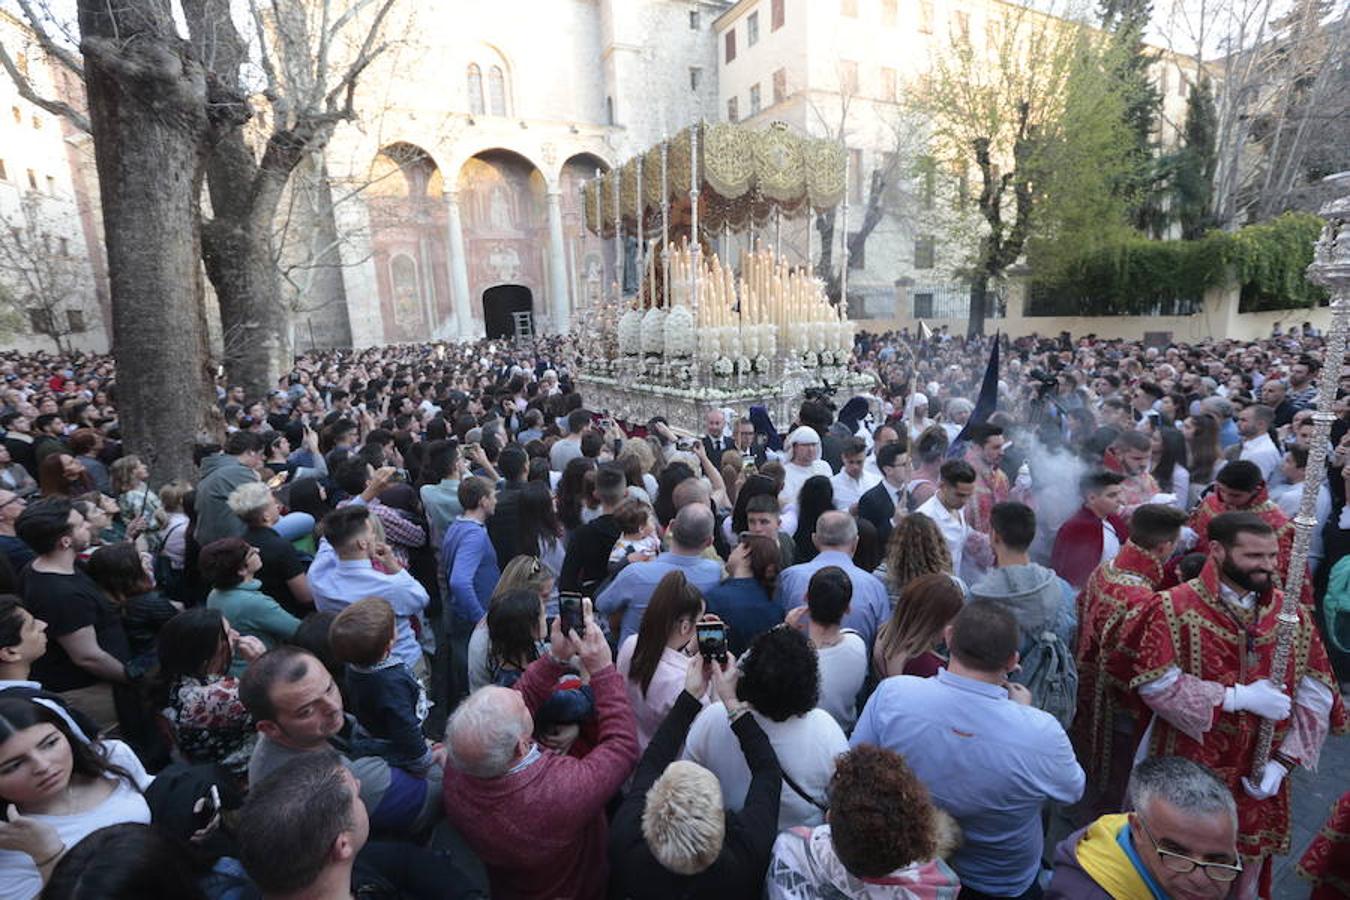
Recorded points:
(148, 112)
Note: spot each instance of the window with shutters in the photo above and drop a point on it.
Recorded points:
(731, 45)
(752, 29)
(775, 15)
(779, 86)
(754, 99)
(889, 82)
(733, 110)
(75, 321)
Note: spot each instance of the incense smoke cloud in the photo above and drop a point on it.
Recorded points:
(1055, 472)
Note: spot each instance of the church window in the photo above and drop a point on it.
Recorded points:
(475, 77)
(496, 91)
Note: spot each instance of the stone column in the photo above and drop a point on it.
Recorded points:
(557, 264)
(459, 269)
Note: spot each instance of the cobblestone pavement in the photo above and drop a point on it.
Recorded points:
(1314, 795)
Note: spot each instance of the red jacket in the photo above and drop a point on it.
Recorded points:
(1078, 546)
(541, 831)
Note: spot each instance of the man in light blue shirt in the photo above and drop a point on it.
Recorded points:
(690, 534)
(342, 573)
(987, 756)
(836, 537)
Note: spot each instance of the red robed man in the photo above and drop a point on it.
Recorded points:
(1239, 487)
(1201, 656)
(1104, 728)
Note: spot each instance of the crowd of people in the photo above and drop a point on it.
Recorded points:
(425, 624)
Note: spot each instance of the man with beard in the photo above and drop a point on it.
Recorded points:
(1201, 655)
(1239, 487)
(87, 643)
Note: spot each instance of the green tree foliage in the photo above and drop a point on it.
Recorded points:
(1193, 171)
(1140, 183)
(1136, 276)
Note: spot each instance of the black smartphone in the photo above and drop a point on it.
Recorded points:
(569, 613)
(712, 640)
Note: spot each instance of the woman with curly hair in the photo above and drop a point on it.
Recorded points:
(916, 548)
(884, 841)
(907, 643)
(780, 685)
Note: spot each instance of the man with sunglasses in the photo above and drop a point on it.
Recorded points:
(1179, 843)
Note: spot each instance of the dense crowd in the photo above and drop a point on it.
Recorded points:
(425, 624)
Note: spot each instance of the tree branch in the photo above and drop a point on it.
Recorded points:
(26, 91)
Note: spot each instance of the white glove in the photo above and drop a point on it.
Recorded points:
(1260, 697)
(1271, 779)
(1164, 499)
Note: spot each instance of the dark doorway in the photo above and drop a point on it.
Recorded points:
(499, 303)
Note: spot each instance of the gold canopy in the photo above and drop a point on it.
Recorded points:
(744, 172)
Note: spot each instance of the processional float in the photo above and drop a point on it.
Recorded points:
(703, 331)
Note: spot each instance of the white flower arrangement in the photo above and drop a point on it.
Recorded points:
(810, 360)
(629, 333)
(826, 358)
(722, 366)
(680, 338)
(654, 332)
(762, 364)
(684, 373)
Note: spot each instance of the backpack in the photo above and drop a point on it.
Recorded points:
(1049, 672)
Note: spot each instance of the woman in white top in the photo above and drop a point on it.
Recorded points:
(780, 681)
(61, 787)
(654, 661)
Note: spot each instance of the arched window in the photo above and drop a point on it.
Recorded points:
(496, 91)
(475, 89)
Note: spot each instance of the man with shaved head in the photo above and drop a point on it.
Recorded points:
(691, 532)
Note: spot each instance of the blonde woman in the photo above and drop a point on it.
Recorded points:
(907, 642)
(135, 500)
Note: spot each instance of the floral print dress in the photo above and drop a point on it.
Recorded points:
(209, 722)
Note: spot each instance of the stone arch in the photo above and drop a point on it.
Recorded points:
(503, 203)
(407, 229)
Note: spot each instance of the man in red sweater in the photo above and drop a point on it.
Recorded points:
(1095, 533)
(535, 817)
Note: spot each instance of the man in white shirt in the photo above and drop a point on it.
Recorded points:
(947, 509)
(803, 450)
(852, 481)
(1254, 424)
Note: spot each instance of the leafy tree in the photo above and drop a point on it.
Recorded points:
(1140, 185)
(1036, 114)
(1193, 178)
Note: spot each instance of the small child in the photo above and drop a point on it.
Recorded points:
(384, 696)
(638, 541)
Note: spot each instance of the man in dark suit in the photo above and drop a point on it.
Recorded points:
(878, 504)
(715, 443)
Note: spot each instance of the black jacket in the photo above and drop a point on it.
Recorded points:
(504, 526)
(739, 869)
(876, 506)
(586, 563)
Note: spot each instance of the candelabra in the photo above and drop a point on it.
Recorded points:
(1331, 269)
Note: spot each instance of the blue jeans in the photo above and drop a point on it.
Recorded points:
(294, 526)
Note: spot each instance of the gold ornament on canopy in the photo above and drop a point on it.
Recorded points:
(651, 180)
(628, 189)
(728, 159)
(826, 180)
(778, 164)
(746, 176)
